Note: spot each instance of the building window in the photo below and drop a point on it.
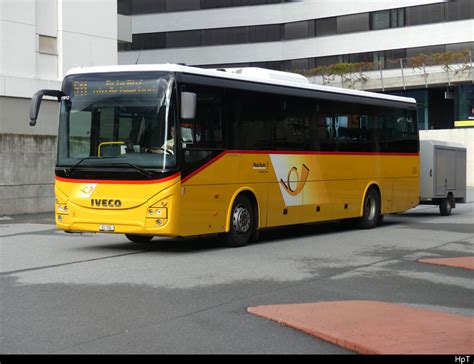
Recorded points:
(353, 23)
(298, 30)
(189, 38)
(225, 36)
(48, 45)
(387, 19)
(182, 5)
(380, 20)
(148, 41)
(326, 26)
(265, 33)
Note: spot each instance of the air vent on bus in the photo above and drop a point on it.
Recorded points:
(268, 74)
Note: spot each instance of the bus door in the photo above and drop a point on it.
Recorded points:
(204, 195)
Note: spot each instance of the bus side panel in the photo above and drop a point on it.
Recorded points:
(386, 189)
(207, 197)
(346, 197)
(203, 209)
(317, 203)
(405, 194)
(280, 213)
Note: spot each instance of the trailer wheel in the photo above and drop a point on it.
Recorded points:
(446, 205)
(139, 238)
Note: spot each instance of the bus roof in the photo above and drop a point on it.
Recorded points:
(269, 77)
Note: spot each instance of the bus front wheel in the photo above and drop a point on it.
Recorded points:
(371, 213)
(139, 238)
(242, 223)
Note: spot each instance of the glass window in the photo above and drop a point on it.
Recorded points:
(466, 9)
(437, 13)
(413, 15)
(460, 47)
(401, 17)
(189, 38)
(119, 117)
(148, 41)
(296, 30)
(252, 114)
(181, 5)
(290, 129)
(425, 15)
(353, 23)
(148, 6)
(380, 20)
(203, 137)
(393, 57)
(327, 61)
(298, 64)
(124, 7)
(225, 36)
(453, 11)
(265, 33)
(326, 26)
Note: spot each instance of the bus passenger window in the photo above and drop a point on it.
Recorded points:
(203, 136)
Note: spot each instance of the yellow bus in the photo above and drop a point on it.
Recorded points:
(171, 150)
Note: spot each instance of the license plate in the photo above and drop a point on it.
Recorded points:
(107, 227)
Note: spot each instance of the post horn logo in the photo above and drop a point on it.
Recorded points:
(288, 185)
(88, 189)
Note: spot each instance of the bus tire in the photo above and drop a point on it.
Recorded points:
(371, 212)
(242, 223)
(139, 238)
(446, 206)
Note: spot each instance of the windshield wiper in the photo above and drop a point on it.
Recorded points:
(71, 169)
(139, 169)
(142, 171)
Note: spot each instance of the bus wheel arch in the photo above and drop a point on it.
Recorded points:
(371, 209)
(242, 219)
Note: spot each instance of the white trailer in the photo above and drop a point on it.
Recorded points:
(442, 174)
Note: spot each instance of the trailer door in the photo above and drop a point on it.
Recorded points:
(445, 170)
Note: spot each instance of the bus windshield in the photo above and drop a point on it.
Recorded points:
(117, 120)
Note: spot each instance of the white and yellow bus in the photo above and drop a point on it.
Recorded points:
(171, 150)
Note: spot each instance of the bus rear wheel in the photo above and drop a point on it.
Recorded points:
(371, 213)
(242, 223)
(139, 238)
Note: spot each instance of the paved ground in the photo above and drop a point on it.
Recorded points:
(89, 293)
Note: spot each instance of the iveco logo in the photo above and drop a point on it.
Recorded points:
(105, 203)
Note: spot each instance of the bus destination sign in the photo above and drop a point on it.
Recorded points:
(114, 87)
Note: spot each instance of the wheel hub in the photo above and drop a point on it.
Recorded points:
(241, 220)
(370, 207)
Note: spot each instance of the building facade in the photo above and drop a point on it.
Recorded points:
(40, 40)
(388, 37)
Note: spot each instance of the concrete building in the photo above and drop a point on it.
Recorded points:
(307, 35)
(39, 41)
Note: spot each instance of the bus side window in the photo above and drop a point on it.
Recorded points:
(251, 119)
(204, 135)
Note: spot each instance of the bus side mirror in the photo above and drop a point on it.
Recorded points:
(188, 105)
(36, 102)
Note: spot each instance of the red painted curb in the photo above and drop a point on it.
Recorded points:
(371, 327)
(458, 262)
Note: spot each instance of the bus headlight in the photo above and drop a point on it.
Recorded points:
(157, 212)
(62, 209)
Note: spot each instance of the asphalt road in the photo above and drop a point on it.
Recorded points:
(63, 293)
